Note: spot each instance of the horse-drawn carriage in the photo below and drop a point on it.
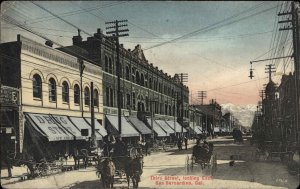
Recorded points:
(203, 158)
(129, 165)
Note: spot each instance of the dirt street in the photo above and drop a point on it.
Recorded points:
(168, 170)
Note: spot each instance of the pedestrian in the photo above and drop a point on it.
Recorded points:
(179, 144)
(147, 145)
(185, 142)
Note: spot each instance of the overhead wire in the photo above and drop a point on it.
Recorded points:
(216, 25)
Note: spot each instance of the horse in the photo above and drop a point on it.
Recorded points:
(107, 171)
(78, 156)
(134, 169)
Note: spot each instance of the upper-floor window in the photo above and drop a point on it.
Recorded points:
(96, 98)
(86, 96)
(106, 64)
(142, 82)
(127, 73)
(37, 86)
(52, 90)
(150, 83)
(110, 69)
(137, 77)
(65, 92)
(76, 94)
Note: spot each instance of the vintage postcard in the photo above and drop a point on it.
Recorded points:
(150, 94)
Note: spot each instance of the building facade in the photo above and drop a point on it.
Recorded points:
(142, 84)
(54, 100)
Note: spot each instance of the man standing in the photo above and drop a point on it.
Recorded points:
(185, 143)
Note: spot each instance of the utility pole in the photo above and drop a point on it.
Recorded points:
(81, 69)
(294, 26)
(152, 116)
(93, 136)
(116, 33)
(201, 96)
(270, 69)
(183, 78)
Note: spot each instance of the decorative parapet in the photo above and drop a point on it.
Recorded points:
(56, 55)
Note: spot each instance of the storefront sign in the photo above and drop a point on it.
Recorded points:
(9, 96)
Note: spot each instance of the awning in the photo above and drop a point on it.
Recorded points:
(46, 126)
(67, 124)
(196, 127)
(127, 129)
(98, 127)
(139, 125)
(82, 124)
(159, 131)
(178, 126)
(165, 126)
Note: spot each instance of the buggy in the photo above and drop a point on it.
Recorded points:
(202, 158)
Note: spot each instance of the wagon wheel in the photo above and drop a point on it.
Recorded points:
(192, 163)
(43, 169)
(187, 163)
(214, 164)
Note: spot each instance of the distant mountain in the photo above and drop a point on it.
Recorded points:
(244, 113)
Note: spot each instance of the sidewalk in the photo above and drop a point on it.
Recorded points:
(19, 172)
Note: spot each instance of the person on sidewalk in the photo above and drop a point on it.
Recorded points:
(185, 143)
(179, 143)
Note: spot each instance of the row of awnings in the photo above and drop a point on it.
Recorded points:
(58, 127)
(196, 128)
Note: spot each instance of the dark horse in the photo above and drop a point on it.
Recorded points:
(107, 171)
(134, 169)
(80, 155)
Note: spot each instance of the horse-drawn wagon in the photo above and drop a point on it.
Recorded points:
(129, 165)
(202, 158)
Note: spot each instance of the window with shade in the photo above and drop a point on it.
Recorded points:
(96, 98)
(86, 96)
(37, 86)
(52, 90)
(76, 94)
(65, 92)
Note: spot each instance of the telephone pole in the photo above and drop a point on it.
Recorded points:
(116, 32)
(293, 24)
(201, 96)
(183, 78)
(270, 69)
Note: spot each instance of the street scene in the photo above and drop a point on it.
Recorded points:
(149, 94)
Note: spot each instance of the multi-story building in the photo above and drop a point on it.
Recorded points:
(142, 84)
(54, 100)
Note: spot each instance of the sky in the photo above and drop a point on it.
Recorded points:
(213, 42)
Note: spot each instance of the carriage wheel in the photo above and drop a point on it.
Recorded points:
(192, 163)
(43, 169)
(214, 164)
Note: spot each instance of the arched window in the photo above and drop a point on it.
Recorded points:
(137, 77)
(76, 94)
(110, 69)
(65, 92)
(106, 64)
(150, 83)
(96, 98)
(37, 86)
(86, 96)
(127, 73)
(142, 80)
(52, 90)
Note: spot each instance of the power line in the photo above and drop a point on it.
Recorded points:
(214, 26)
